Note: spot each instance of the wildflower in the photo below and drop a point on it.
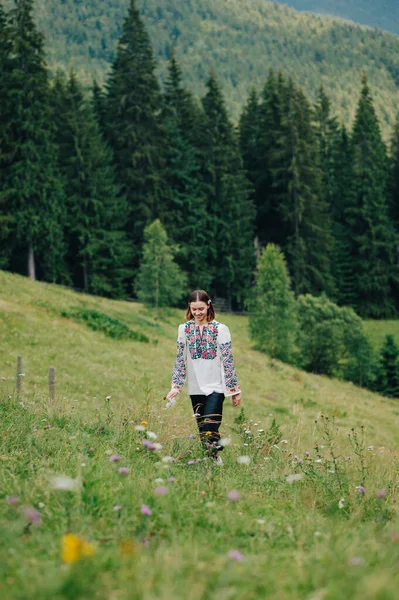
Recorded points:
(381, 493)
(172, 479)
(233, 496)
(294, 477)
(261, 430)
(261, 521)
(108, 398)
(117, 508)
(191, 462)
(284, 442)
(124, 471)
(91, 450)
(247, 431)
(224, 442)
(157, 446)
(161, 490)
(144, 422)
(32, 515)
(356, 561)
(149, 445)
(168, 459)
(318, 460)
(341, 503)
(115, 458)
(47, 427)
(235, 555)
(243, 460)
(65, 483)
(158, 480)
(152, 435)
(146, 510)
(360, 489)
(140, 428)
(12, 500)
(208, 433)
(74, 548)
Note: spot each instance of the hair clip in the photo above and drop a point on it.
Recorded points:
(209, 301)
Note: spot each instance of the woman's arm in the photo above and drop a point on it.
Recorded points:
(230, 375)
(179, 370)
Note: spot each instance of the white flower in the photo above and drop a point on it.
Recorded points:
(157, 446)
(140, 428)
(245, 444)
(159, 480)
(317, 534)
(108, 398)
(248, 431)
(284, 442)
(261, 430)
(341, 503)
(318, 460)
(66, 483)
(151, 435)
(224, 441)
(275, 446)
(168, 459)
(243, 460)
(331, 471)
(261, 521)
(294, 477)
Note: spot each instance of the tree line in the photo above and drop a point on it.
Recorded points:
(81, 178)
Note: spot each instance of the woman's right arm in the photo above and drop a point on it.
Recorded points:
(180, 369)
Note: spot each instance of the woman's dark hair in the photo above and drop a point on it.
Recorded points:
(200, 296)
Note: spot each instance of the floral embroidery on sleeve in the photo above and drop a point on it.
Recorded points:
(230, 374)
(179, 371)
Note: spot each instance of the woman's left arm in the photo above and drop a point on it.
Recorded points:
(230, 376)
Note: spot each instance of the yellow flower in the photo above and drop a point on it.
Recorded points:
(73, 548)
(208, 433)
(144, 422)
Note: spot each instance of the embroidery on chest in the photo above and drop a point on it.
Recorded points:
(205, 345)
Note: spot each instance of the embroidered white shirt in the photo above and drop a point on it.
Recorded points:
(205, 360)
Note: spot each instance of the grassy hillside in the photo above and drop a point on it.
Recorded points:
(275, 540)
(241, 40)
(383, 14)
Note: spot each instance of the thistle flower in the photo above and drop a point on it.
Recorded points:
(65, 483)
(233, 496)
(115, 458)
(360, 489)
(124, 470)
(32, 515)
(146, 510)
(12, 500)
(381, 493)
(161, 490)
(235, 555)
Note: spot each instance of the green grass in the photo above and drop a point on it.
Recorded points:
(295, 540)
(377, 330)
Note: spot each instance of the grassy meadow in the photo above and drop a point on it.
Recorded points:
(89, 511)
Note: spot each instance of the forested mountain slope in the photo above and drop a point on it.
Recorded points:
(241, 41)
(383, 14)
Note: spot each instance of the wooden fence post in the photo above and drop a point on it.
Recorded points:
(19, 375)
(51, 384)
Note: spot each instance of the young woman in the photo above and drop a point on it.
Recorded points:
(205, 360)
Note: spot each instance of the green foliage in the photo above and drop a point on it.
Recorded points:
(272, 321)
(159, 282)
(388, 373)
(240, 40)
(98, 321)
(329, 336)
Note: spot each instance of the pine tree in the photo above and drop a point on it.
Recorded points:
(133, 128)
(31, 176)
(389, 381)
(6, 220)
(159, 281)
(231, 213)
(99, 105)
(372, 230)
(272, 322)
(184, 212)
(98, 251)
(297, 179)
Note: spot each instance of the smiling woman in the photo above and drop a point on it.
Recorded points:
(205, 360)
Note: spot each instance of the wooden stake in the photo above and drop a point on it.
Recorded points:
(51, 384)
(19, 375)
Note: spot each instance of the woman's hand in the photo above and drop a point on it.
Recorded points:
(172, 394)
(236, 399)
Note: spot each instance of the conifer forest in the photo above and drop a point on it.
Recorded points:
(83, 173)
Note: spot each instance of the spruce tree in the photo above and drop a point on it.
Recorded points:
(6, 220)
(373, 234)
(31, 175)
(183, 212)
(133, 127)
(389, 380)
(231, 213)
(98, 251)
(272, 322)
(159, 281)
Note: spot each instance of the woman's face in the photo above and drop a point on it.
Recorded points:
(200, 311)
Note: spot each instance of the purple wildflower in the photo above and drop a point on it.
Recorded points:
(149, 445)
(161, 490)
(32, 515)
(47, 427)
(124, 470)
(172, 479)
(191, 462)
(235, 555)
(115, 458)
(360, 489)
(146, 510)
(233, 496)
(12, 500)
(381, 493)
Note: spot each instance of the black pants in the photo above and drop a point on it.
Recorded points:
(208, 411)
